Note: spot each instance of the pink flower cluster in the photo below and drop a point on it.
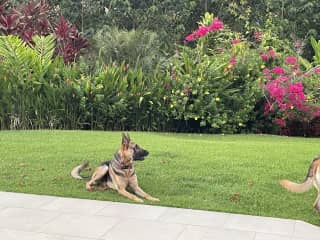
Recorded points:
(236, 41)
(286, 94)
(291, 60)
(278, 70)
(316, 70)
(280, 122)
(268, 55)
(232, 61)
(202, 31)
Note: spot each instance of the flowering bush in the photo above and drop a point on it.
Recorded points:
(214, 86)
(289, 92)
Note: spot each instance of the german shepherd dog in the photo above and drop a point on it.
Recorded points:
(313, 177)
(119, 173)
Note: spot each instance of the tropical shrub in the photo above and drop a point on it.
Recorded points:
(121, 97)
(214, 89)
(22, 71)
(39, 91)
(291, 94)
(138, 48)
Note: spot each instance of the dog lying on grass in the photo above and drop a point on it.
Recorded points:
(119, 173)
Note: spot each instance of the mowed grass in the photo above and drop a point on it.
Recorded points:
(229, 173)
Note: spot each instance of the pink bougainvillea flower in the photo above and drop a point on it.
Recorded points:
(268, 108)
(232, 61)
(296, 87)
(295, 66)
(190, 37)
(216, 25)
(278, 70)
(283, 106)
(296, 95)
(264, 57)
(317, 70)
(316, 112)
(266, 71)
(235, 41)
(280, 122)
(202, 31)
(272, 53)
(305, 108)
(291, 60)
(283, 79)
(276, 91)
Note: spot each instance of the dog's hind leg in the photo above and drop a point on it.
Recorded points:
(96, 176)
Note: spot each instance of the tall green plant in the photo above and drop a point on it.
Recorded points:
(23, 68)
(138, 48)
(316, 47)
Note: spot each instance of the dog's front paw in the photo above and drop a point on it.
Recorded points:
(139, 200)
(89, 187)
(154, 199)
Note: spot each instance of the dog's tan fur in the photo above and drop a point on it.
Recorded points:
(313, 177)
(119, 178)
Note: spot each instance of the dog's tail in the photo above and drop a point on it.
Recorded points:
(297, 187)
(75, 173)
(307, 184)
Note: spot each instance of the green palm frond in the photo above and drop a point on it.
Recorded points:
(15, 54)
(44, 48)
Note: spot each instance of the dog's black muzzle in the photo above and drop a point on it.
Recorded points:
(139, 154)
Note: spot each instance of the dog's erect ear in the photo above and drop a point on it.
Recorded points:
(125, 141)
(128, 136)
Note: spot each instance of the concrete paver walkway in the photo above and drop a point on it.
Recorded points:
(33, 217)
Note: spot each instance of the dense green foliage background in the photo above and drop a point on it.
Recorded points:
(139, 73)
(172, 20)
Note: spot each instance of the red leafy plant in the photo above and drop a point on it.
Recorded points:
(32, 18)
(69, 41)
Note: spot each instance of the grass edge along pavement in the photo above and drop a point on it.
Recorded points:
(229, 173)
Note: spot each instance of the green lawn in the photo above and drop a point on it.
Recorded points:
(229, 173)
